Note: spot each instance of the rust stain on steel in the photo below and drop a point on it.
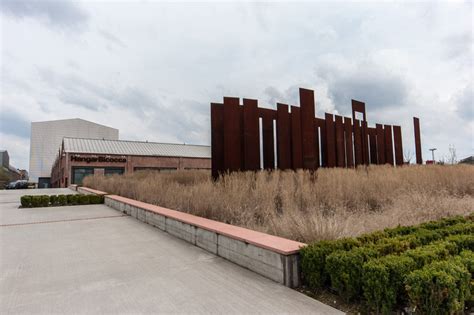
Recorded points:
(388, 144)
(268, 143)
(365, 143)
(358, 107)
(380, 144)
(348, 142)
(372, 145)
(217, 139)
(307, 128)
(232, 134)
(283, 137)
(296, 146)
(416, 125)
(340, 149)
(330, 141)
(358, 143)
(302, 140)
(251, 135)
(397, 139)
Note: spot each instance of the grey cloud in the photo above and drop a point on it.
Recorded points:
(375, 86)
(458, 46)
(12, 123)
(290, 96)
(465, 103)
(112, 38)
(75, 90)
(63, 13)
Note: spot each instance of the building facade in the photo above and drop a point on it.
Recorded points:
(46, 138)
(79, 157)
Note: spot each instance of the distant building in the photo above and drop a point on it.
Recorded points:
(4, 158)
(8, 173)
(47, 136)
(468, 160)
(81, 157)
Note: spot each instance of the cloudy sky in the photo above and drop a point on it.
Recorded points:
(151, 68)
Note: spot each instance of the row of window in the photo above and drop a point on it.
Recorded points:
(78, 173)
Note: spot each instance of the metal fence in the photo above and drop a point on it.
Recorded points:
(247, 137)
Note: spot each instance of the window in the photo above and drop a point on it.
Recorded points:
(113, 170)
(78, 174)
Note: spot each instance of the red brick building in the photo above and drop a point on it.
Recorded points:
(80, 157)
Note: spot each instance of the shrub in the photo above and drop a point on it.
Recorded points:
(426, 254)
(25, 201)
(462, 241)
(345, 270)
(383, 281)
(53, 199)
(96, 199)
(44, 201)
(313, 260)
(36, 201)
(62, 200)
(83, 199)
(72, 199)
(439, 288)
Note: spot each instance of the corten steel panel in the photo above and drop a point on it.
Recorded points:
(372, 144)
(388, 144)
(217, 139)
(296, 150)
(416, 125)
(349, 144)
(307, 128)
(380, 144)
(358, 143)
(268, 143)
(365, 143)
(232, 134)
(359, 107)
(340, 150)
(397, 139)
(330, 141)
(267, 112)
(283, 137)
(321, 123)
(251, 135)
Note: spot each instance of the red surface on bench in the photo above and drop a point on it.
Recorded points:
(274, 243)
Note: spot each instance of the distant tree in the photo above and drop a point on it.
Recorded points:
(452, 157)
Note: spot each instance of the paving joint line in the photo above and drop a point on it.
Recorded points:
(65, 220)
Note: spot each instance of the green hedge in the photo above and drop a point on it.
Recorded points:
(441, 287)
(373, 268)
(32, 201)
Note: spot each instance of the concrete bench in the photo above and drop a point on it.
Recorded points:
(271, 256)
(90, 191)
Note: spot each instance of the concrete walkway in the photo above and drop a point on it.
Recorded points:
(92, 259)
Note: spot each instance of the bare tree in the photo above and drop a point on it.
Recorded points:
(452, 157)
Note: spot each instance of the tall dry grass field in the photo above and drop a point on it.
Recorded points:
(328, 204)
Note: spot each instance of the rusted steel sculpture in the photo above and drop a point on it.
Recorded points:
(247, 137)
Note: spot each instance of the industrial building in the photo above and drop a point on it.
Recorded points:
(79, 157)
(46, 138)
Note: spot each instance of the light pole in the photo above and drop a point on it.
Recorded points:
(432, 154)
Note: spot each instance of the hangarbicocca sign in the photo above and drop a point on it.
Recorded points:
(100, 159)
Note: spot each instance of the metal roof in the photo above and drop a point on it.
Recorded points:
(125, 147)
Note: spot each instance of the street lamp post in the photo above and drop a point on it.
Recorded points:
(432, 154)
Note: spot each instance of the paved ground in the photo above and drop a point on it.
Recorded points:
(91, 259)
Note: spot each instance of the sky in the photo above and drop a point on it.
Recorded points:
(152, 68)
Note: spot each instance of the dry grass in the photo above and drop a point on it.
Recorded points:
(329, 204)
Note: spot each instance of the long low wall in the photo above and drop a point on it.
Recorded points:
(271, 256)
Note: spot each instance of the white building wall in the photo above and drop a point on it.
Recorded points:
(46, 138)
